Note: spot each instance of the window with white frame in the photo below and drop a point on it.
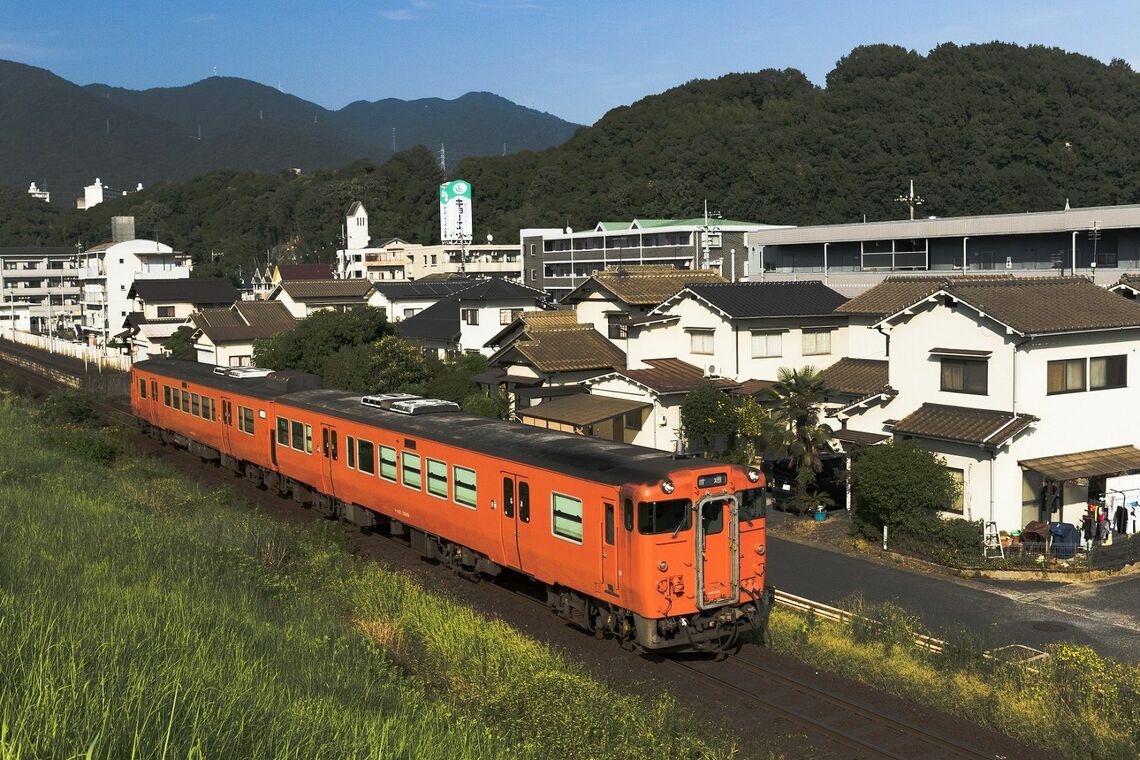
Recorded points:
(566, 517)
(437, 478)
(701, 342)
(412, 470)
(465, 486)
(767, 344)
(817, 341)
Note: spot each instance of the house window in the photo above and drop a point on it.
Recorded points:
(465, 491)
(631, 420)
(413, 475)
(566, 517)
(469, 316)
(766, 344)
(506, 316)
(617, 328)
(957, 503)
(816, 342)
(1065, 376)
(965, 376)
(1108, 372)
(410, 312)
(165, 312)
(701, 342)
(437, 478)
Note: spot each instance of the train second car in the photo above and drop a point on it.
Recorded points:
(666, 553)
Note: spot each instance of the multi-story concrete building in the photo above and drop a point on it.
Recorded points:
(109, 269)
(42, 283)
(558, 261)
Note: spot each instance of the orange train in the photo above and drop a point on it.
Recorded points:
(629, 542)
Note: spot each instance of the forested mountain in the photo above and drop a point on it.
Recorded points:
(981, 129)
(62, 135)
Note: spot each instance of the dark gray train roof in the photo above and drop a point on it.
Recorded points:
(577, 455)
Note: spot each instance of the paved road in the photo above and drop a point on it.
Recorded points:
(1104, 615)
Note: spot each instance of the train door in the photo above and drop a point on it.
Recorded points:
(610, 573)
(717, 542)
(330, 455)
(515, 513)
(227, 424)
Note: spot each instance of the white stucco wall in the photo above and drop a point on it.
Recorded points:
(665, 410)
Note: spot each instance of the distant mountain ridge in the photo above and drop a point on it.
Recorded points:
(63, 135)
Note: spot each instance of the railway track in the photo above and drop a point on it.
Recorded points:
(859, 728)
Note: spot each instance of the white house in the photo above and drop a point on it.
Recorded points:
(1024, 386)
(743, 330)
(401, 300)
(109, 269)
(160, 307)
(305, 297)
(225, 336)
(466, 320)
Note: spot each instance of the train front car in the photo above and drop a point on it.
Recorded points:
(698, 550)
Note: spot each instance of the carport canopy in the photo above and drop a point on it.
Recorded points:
(1086, 464)
(582, 410)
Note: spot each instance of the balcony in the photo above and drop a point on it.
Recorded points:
(92, 272)
(94, 294)
(162, 273)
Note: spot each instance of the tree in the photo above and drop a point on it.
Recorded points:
(388, 365)
(708, 417)
(901, 486)
(798, 437)
(309, 345)
(452, 379)
(494, 404)
(753, 427)
(180, 345)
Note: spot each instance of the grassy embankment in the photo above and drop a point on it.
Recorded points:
(143, 617)
(1076, 703)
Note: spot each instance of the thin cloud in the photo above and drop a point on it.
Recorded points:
(399, 14)
(202, 18)
(26, 51)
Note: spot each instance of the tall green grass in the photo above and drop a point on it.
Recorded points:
(141, 616)
(1076, 703)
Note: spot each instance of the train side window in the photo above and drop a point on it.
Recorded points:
(437, 478)
(350, 450)
(656, 517)
(508, 497)
(366, 456)
(297, 441)
(308, 439)
(205, 407)
(411, 469)
(566, 517)
(212, 415)
(154, 389)
(166, 395)
(142, 388)
(524, 502)
(627, 514)
(465, 486)
(195, 407)
(282, 431)
(186, 401)
(245, 414)
(610, 524)
(388, 463)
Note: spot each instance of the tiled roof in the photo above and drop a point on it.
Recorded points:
(570, 349)
(195, 290)
(742, 300)
(497, 289)
(581, 409)
(529, 321)
(672, 376)
(440, 321)
(897, 292)
(304, 271)
(847, 435)
(754, 387)
(1129, 280)
(302, 289)
(244, 321)
(643, 285)
(1037, 306)
(982, 427)
(423, 288)
(856, 377)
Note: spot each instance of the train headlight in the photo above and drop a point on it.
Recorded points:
(753, 476)
(667, 486)
(760, 549)
(662, 565)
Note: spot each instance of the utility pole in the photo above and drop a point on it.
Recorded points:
(706, 232)
(442, 158)
(911, 200)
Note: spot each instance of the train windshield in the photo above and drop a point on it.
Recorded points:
(752, 505)
(671, 516)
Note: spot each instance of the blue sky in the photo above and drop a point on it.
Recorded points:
(576, 59)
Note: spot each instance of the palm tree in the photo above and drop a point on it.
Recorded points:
(797, 435)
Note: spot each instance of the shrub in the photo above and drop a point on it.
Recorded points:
(70, 408)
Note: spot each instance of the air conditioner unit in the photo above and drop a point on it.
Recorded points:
(713, 370)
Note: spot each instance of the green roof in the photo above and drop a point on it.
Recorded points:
(694, 222)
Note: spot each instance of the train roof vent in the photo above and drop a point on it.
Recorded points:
(241, 372)
(385, 400)
(424, 406)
